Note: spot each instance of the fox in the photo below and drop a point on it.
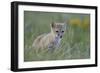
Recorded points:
(53, 38)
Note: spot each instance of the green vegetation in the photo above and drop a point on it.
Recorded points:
(74, 45)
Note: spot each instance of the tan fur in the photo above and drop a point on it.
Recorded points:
(43, 40)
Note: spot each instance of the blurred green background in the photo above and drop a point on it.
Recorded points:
(75, 43)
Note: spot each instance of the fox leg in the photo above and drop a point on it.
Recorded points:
(51, 47)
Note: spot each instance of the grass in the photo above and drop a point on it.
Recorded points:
(74, 45)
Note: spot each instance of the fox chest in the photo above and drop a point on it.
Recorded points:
(55, 43)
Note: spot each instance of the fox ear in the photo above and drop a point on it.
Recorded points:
(53, 24)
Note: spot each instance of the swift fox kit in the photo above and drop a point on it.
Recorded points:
(52, 39)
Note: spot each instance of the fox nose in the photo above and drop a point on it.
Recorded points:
(60, 36)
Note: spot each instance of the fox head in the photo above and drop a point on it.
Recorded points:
(58, 29)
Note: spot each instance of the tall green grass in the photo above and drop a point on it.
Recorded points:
(75, 43)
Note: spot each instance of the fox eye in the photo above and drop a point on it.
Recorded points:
(56, 31)
(62, 31)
